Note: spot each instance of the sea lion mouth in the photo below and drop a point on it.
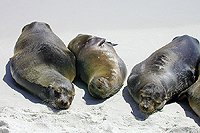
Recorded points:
(147, 106)
(63, 103)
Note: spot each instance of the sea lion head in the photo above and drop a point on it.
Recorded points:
(60, 96)
(99, 87)
(36, 27)
(152, 97)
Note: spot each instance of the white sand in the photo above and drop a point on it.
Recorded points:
(138, 29)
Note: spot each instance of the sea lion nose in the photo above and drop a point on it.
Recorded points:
(63, 104)
(145, 107)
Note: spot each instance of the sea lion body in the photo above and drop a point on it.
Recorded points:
(193, 95)
(43, 65)
(98, 65)
(164, 74)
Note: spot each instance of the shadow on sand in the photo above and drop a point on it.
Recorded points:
(10, 82)
(141, 116)
(87, 97)
(188, 111)
(135, 108)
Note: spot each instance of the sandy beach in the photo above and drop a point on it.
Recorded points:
(139, 28)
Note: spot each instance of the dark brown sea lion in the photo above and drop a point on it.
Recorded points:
(98, 65)
(164, 74)
(193, 95)
(44, 66)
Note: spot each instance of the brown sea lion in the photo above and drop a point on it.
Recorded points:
(44, 66)
(98, 65)
(164, 74)
(193, 95)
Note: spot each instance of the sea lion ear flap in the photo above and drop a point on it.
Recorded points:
(161, 105)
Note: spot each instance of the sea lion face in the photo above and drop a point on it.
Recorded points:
(99, 87)
(151, 98)
(60, 97)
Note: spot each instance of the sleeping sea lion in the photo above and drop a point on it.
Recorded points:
(98, 65)
(44, 66)
(193, 95)
(164, 74)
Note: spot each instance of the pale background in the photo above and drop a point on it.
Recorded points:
(139, 27)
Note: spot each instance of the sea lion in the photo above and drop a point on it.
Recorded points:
(164, 74)
(43, 65)
(98, 65)
(193, 95)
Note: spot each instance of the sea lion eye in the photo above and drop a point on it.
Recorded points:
(157, 95)
(142, 96)
(70, 99)
(158, 100)
(56, 94)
